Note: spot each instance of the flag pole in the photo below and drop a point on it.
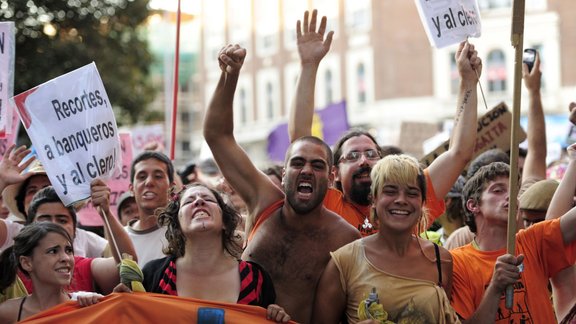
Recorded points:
(175, 88)
(517, 39)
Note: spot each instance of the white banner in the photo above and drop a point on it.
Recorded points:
(7, 49)
(449, 22)
(71, 123)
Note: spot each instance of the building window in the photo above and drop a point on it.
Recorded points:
(358, 14)
(328, 87)
(494, 4)
(239, 21)
(185, 145)
(270, 100)
(266, 26)
(361, 77)
(185, 117)
(243, 108)
(496, 64)
(185, 85)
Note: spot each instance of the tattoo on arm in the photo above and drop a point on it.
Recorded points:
(461, 108)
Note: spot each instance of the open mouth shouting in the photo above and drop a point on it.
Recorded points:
(149, 195)
(304, 189)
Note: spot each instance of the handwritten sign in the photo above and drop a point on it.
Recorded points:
(118, 184)
(6, 76)
(144, 135)
(449, 22)
(493, 131)
(9, 136)
(70, 121)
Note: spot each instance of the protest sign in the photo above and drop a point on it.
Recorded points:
(10, 135)
(119, 183)
(449, 22)
(70, 121)
(493, 131)
(412, 134)
(6, 76)
(145, 135)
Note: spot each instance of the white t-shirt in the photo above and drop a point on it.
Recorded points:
(89, 244)
(86, 244)
(148, 243)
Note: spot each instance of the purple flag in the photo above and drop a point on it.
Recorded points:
(329, 124)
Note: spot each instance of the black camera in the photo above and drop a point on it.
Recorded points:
(529, 57)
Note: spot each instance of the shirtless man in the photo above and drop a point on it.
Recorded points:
(291, 233)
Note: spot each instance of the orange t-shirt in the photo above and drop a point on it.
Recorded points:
(356, 214)
(544, 255)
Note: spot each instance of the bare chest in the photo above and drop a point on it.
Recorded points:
(293, 259)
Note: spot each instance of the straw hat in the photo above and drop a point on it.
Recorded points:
(11, 192)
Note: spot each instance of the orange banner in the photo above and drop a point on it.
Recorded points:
(151, 308)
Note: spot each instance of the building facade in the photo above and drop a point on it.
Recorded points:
(381, 63)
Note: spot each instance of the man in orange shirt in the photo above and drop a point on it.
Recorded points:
(356, 152)
(482, 269)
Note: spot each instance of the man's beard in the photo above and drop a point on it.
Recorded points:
(360, 192)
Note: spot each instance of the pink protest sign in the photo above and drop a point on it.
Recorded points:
(119, 183)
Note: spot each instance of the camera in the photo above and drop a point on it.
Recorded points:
(529, 57)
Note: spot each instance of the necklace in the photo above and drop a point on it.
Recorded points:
(364, 219)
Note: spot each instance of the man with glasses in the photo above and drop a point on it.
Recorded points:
(357, 151)
(353, 178)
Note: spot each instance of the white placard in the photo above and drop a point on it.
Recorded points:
(71, 123)
(449, 22)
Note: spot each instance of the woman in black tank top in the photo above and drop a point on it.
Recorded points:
(43, 251)
(201, 238)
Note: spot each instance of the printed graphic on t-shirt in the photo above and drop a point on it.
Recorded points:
(519, 314)
(370, 308)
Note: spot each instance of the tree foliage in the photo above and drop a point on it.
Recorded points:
(54, 37)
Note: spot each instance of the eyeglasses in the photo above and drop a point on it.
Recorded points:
(354, 156)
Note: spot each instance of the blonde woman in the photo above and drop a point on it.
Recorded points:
(410, 276)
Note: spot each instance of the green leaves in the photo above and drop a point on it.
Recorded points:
(54, 37)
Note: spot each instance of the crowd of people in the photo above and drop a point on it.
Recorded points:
(335, 234)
